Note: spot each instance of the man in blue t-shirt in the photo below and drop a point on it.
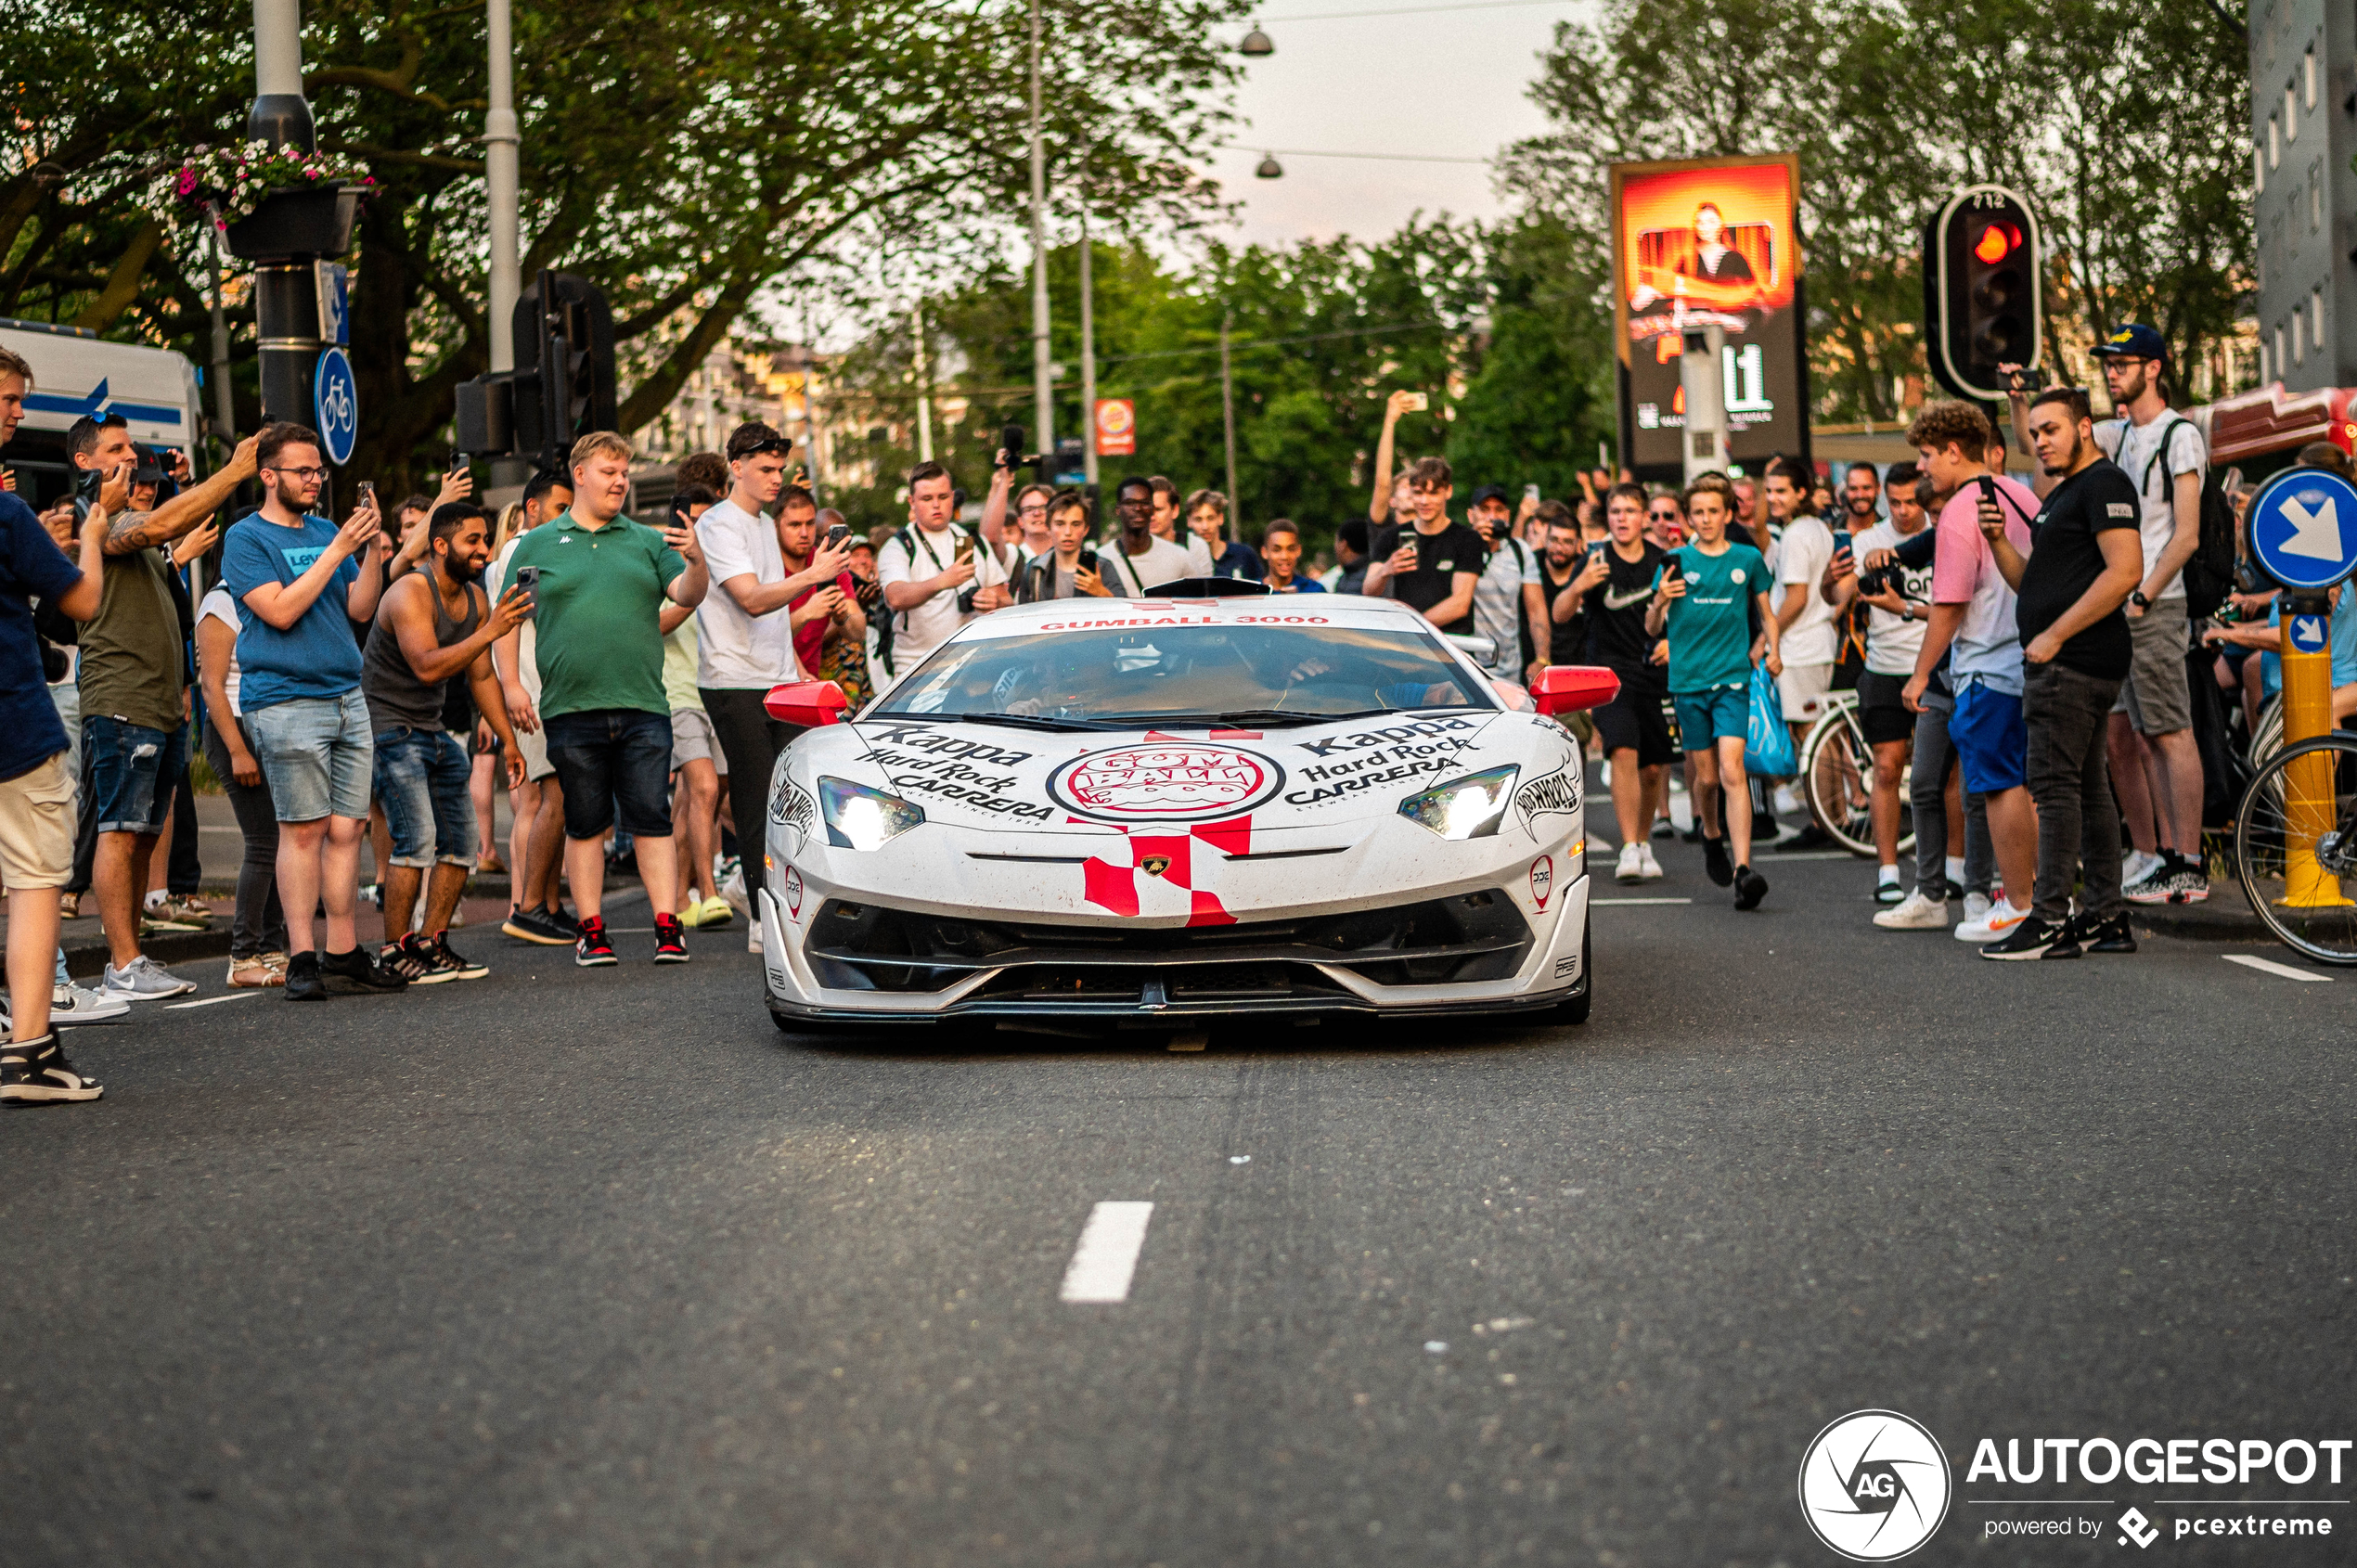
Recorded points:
(36, 790)
(1705, 600)
(300, 582)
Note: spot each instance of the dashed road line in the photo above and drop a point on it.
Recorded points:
(209, 1001)
(1107, 1254)
(1596, 901)
(2269, 966)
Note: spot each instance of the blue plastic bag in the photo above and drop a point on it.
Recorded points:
(1768, 749)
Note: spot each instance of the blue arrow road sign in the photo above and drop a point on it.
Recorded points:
(2308, 634)
(335, 403)
(2303, 528)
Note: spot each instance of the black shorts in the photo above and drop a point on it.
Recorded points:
(1882, 709)
(610, 760)
(1634, 722)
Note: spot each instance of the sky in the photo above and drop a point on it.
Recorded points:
(1449, 84)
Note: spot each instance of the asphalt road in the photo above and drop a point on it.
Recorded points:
(568, 1267)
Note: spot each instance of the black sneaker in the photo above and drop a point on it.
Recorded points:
(591, 950)
(408, 961)
(447, 964)
(1664, 827)
(36, 1073)
(2034, 938)
(539, 926)
(1750, 888)
(2103, 936)
(304, 984)
(2189, 880)
(1714, 863)
(1811, 837)
(671, 940)
(357, 974)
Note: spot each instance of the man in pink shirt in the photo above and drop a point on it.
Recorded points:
(1973, 624)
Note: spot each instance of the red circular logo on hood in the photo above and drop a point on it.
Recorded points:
(1165, 782)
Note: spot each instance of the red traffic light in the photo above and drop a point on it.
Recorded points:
(1996, 242)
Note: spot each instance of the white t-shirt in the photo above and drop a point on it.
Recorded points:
(736, 651)
(917, 632)
(528, 636)
(1497, 608)
(2136, 448)
(1892, 641)
(219, 606)
(1805, 551)
(1162, 563)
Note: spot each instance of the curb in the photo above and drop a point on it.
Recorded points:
(2225, 916)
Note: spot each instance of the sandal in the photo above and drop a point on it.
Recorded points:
(253, 974)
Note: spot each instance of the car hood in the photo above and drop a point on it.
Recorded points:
(994, 778)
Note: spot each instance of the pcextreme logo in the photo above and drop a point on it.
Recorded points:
(1874, 1485)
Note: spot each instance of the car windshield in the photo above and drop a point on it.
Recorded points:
(1085, 678)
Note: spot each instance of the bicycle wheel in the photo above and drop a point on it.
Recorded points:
(2267, 737)
(2295, 847)
(1836, 772)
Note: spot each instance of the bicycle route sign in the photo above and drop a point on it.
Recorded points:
(2303, 528)
(335, 403)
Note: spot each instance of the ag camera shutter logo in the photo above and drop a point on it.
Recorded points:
(1874, 1485)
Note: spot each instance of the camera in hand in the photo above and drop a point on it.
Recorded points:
(1011, 446)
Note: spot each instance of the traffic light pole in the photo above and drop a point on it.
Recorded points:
(1042, 366)
(285, 287)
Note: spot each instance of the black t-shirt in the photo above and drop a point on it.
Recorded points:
(1570, 638)
(2065, 561)
(1616, 636)
(1440, 556)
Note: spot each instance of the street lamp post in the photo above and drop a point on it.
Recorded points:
(1088, 349)
(502, 137)
(1042, 373)
(925, 388)
(286, 287)
(1228, 414)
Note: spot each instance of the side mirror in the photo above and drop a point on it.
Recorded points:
(806, 704)
(1568, 689)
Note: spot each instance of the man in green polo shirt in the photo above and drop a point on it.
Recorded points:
(598, 583)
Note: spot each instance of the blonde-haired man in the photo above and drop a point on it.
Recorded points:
(598, 583)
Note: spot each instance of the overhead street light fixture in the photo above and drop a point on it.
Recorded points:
(1255, 44)
(1269, 168)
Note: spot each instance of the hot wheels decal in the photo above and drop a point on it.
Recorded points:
(1551, 794)
(1166, 782)
(792, 807)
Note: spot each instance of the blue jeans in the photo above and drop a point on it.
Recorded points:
(133, 772)
(316, 753)
(610, 758)
(421, 781)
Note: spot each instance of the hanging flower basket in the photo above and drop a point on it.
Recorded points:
(274, 201)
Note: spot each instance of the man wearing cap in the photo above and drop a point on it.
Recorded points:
(1508, 602)
(2155, 767)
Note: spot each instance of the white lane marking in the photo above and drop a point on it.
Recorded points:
(1108, 1252)
(1601, 846)
(209, 1001)
(1641, 901)
(2269, 966)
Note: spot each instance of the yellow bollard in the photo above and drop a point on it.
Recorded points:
(2309, 804)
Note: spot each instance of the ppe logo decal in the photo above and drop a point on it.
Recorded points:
(1165, 782)
(793, 893)
(1874, 1485)
(1542, 878)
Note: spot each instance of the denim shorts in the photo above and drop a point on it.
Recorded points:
(1720, 712)
(421, 778)
(316, 753)
(1990, 739)
(610, 758)
(133, 772)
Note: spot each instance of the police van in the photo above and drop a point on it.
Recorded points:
(74, 372)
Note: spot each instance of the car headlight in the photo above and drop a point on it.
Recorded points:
(858, 818)
(1470, 807)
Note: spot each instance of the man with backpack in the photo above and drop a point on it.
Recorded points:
(2156, 766)
(1509, 606)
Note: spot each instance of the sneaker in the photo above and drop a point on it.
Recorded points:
(1750, 888)
(1887, 890)
(357, 974)
(407, 960)
(2136, 866)
(1652, 869)
(539, 926)
(448, 964)
(2103, 936)
(1915, 913)
(36, 1073)
(591, 950)
(671, 940)
(1811, 837)
(375, 894)
(144, 979)
(1787, 802)
(304, 984)
(1976, 906)
(1998, 923)
(716, 912)
(1720, 869)
(2188, 881)
(752, 937)
(78, 1004)
(2150, 888)
(1631, 867)
(732, 889)
(2033, 938)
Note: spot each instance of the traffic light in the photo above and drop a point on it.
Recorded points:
(530, 413)
(1981, 305)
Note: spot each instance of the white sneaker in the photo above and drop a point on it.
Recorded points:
(752, 937)
(144, 979)
(1603, 775)
(79, 1004)
(1913, 913)
(1787, 803)
(1976, 906)
(1632, 864)
(1999, 922)
(1652, 866)
(2137, 866)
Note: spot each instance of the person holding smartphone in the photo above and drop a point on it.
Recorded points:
(1434, 565)
(1612, 591)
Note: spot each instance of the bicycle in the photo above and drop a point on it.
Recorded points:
(2295, 847)
(1836, 774)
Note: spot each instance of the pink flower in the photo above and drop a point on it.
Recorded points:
(188, 181)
